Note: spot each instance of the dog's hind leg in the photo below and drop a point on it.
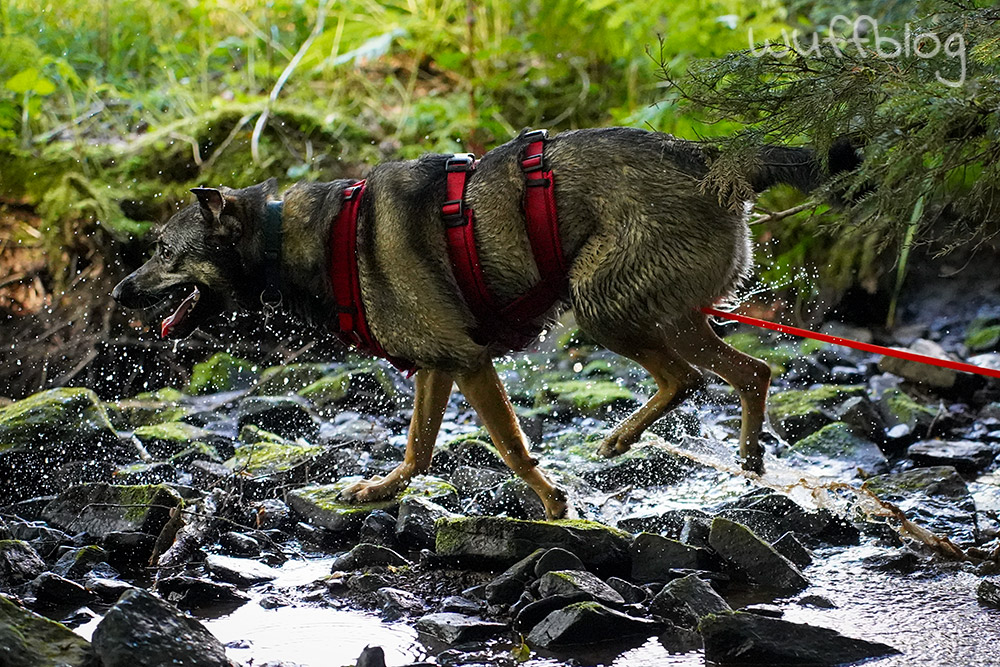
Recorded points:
(432, 391)
(675, 380)
(485, 392)
(749, 376)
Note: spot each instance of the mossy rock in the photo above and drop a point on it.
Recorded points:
(323, 506)
(838, 450)
(100, 508)
(983, 335)
(270, 454)
(165, 440)
(778, 354)
(499, 542)
(897, 407)
(592, 398)
(148, 408)
(221, 372)
(30, 640)
(67, 414)
(797, 413)
(290, 378)
(368, 390)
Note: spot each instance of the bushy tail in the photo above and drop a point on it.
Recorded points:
(800, 167)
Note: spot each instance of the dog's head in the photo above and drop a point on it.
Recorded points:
(205, 260)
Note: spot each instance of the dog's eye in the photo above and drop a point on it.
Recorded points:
(165, 252)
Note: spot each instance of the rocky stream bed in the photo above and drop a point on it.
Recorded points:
(203, 526)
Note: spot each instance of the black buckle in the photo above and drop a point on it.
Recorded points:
(460, 162)
(351, 191)
(456, 217)
(536, 135)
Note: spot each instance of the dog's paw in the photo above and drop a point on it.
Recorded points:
(370, 490)
(557, 506)
(616, 444)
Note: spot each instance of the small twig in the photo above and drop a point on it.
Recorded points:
(781, 215)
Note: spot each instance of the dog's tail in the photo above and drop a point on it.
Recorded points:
(800, 167)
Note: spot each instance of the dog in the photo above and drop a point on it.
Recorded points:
(646, 246)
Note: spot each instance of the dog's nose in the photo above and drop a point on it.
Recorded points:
(116, 293)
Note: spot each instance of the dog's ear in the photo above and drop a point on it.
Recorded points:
(212, 203)
(271, 186)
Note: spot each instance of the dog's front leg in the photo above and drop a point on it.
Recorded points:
(432, 391)
(484, 392)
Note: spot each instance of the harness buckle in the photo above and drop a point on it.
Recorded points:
(453, 213)
(351, 191)
(536, 135)
(460, 162)
(531, 163)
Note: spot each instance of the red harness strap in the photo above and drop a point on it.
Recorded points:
(351, 322)
(508, 325)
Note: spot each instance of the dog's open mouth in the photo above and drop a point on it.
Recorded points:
(172, 326)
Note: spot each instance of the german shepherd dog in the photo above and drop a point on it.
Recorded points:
(647, 246)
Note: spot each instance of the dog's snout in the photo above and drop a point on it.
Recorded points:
(116, 293)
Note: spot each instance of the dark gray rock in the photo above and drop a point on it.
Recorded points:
(469, 480)
(379, 528)
(30, 640)
(51, 589)
(965, 456)
(239, 571)
(988, 593)
(921, 373)
(19, 563)
(862, 417)
(641, 466)
(935, 497)
(460, 605)
(286, 416)
(497, 541)
(509, 585)
(129, 551)
(78, 562)
(835, 451)
(752, 639)
(578, 582)
(695, 531)
(366, 555)
(371, 656)
(514, 498)
(754, 558)
(789, 546)
(108, 590)
(588, 623)
(797, 413)
(653, 557)
(693, 592)
(452, 628)
(533, 612)
(193, 593)
(274, 514)
(398, 603)
(100, 509)
(237, 544)
(669, 523)
(415, 524)
(764, 524)
(631, 593)
(141, 629)
(557, 559)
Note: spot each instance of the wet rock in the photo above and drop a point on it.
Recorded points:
(141, 629)
(754, 558)
(136, 474)
(19, 563)
(862, 417)
(285, 416)
(237, 544)
(469, 481)
(797, 413)
(266, 454)
(578, 582)
(51, 428)
(289, 378)
(51, 589)
(241, 572)
(903, 414)
(273, 514)
(751, 639)
(193, 593)
(397, 603)
(30, 640)
(496, 541)
(156, 407)
(764, 524)
(129, 551)
(669, 523)
(221, 372)
(379, 528)
(77, 562)
(835, 451)
(588, 623)
(167, 439)
(459, 604)
(529, 613)
(514, 498)
(936, 498)
(322, 504)
(371, 656)
(591, 398)
(653, 557)
(475, 453)
(367, 555)
(369, 390)
(694, 593)
(100, 509)
(452, 628)
(988, 593)
(643, 465)
(557, 559)
(631, 593)
(415, 523)
(964, 456)
(108, 590)
(817, 601)
(367, 582)
(789, 546)
(509, 585)
(915, 371)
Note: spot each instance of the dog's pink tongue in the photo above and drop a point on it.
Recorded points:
(175, 318)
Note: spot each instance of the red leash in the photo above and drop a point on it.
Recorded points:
(857, 345)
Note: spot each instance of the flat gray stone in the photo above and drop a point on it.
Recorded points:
(693, 591)
(965, 456)
(654, 556)
(588, 623)
(19, 563)
(755, 558)
(239, 571)
(100, 509)
(366, 555)
(578, 582)
(452, 628)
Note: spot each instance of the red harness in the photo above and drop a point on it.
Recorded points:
(509, 325)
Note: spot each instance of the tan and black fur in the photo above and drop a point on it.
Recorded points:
(646, 245)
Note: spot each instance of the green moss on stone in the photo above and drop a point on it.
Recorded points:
(982, 335)
(835, 441)
(180, 432)
(27, 639)
(803, 401)
(290, 379)
(73, 414)
(221, 372)
(269, 457)
(584, 396)
(904, 410)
